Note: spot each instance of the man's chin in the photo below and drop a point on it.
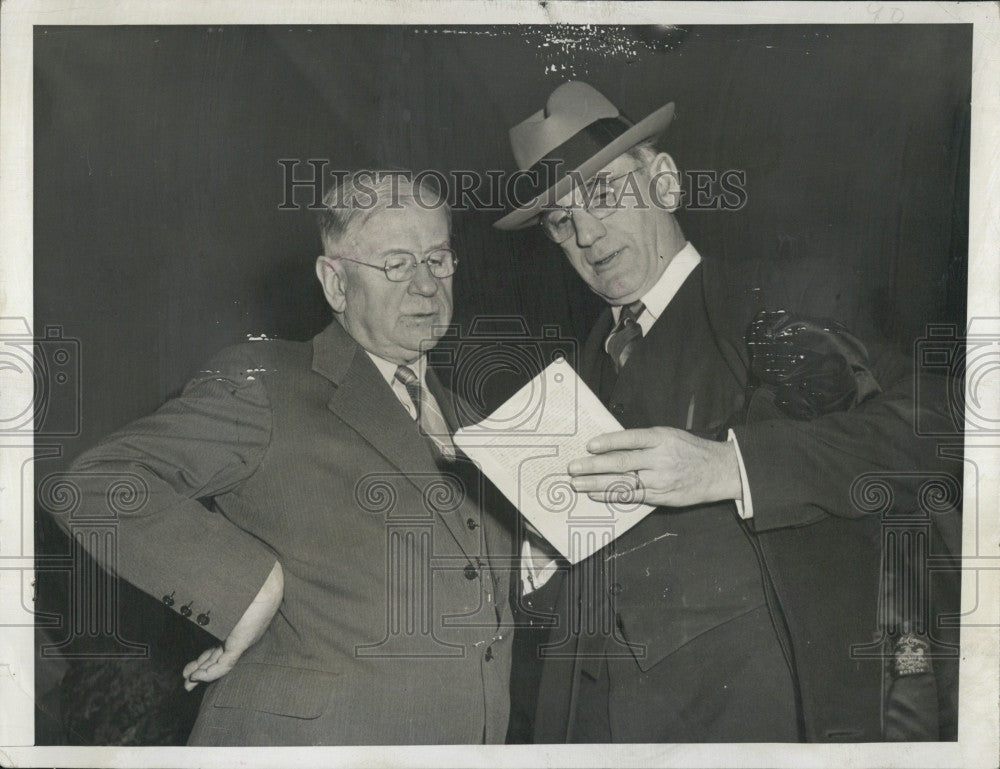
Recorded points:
(424, 335)
(616, 295)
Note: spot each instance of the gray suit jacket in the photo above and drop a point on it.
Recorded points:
(394, 626)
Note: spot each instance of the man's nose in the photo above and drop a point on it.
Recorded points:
(423, 282)
(589, 228)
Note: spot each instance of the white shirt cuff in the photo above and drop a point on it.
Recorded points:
(531, 578)
(744, 506)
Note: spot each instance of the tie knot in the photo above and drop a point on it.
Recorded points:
(625, 335)
(631, 312)
(432, 422)
(406, 375)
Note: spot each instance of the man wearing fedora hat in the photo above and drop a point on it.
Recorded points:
(729, 613)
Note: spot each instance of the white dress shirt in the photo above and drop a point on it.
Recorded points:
(665, 289)
(388, 370)
(433, 425)
(655, 302)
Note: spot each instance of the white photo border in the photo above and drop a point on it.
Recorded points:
(979, 725)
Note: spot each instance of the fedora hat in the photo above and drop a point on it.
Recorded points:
(575, 136)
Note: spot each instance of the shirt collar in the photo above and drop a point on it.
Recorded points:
(661, 294)
(388, 369)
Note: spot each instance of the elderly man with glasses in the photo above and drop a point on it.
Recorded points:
(732, 612)
(303, 502)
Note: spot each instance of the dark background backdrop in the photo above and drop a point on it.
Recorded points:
(159, 239)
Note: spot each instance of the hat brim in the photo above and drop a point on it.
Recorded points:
(653, 124)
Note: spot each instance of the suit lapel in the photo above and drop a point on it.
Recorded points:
(729, 297)
(446, 401)
(592, 370)
(364, 401)
(453, 410)
(726, 294)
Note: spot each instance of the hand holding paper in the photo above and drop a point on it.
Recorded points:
(674, 467)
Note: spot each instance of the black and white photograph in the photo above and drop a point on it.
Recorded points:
(528, 384)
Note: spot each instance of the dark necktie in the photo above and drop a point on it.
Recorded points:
(625, 335)
(432, 422)
(406, 375)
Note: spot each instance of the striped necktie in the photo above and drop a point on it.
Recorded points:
(625, 335)
(431, 420)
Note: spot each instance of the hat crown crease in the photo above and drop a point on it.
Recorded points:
(570, 108)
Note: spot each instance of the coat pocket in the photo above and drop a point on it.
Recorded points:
(276, 689)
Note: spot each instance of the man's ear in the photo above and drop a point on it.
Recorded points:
(331, 276)
(666, 183)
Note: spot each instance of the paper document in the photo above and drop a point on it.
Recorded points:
(524, 447)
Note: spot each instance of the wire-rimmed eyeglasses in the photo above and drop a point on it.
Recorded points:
(401, 266)
(601, 199)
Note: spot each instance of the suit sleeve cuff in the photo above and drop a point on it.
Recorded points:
(744, 506)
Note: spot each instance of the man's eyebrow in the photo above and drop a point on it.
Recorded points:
(446, 243)
(602, 176)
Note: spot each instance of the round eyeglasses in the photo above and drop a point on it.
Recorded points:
(401, 266)
(600, 199)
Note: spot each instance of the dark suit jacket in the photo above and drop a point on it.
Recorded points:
(394, 626)
(819, 553)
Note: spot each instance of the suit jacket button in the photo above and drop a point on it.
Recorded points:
(489, 653)
(203, 619)
(169, 599)
(186, 610)
(471, 572)
(616, 588)
(471, 523)
(617, 409)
